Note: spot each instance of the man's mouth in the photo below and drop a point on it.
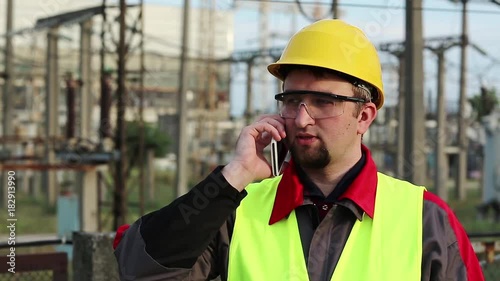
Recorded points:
(305, 139)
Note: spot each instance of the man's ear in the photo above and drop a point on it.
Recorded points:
(366, 117)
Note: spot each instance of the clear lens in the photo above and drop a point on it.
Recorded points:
(316, 106)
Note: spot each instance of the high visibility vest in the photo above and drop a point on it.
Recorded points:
(388, 247)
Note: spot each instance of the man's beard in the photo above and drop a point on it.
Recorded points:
(317, 158)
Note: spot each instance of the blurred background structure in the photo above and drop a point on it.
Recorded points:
(113, 108)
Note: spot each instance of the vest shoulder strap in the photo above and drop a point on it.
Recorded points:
(389, 246)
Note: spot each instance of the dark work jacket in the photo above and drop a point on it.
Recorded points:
(189, 239)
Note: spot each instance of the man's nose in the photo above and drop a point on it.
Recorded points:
(303, 117)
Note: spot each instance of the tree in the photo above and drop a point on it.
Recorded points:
(484, 103)
(154, 138)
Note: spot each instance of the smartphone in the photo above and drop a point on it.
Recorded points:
(279, 157)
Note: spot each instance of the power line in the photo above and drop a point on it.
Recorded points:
(476, 2)
(375, 6)
(303, 12)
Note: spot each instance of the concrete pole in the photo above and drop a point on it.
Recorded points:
(461, 175)
(6, 95)
(212, 74)
(249, 106)
(212, 79)
(86, 97)
(264, 77)
(203, 74)
(441, 173)
(335, 9)
(415, 164)
(87, 182)
(93, 257)
(400, 159)
(181, 173)
(120, 193)
(7, 88)
(142, 180)
(105, 102)
(51, 113)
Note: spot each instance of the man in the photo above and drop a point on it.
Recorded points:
(330, 215)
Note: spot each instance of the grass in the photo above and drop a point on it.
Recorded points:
(164, 193)
(468, 215)
(466, 212)
(36, 217)
(33, 216)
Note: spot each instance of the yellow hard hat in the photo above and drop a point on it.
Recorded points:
(335, 45)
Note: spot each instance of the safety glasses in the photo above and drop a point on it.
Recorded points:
(319, 105)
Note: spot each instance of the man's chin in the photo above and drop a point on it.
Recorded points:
(310, 160)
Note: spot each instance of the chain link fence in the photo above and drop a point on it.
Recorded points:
(39, 275)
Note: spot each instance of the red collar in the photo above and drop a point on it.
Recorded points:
(290, 193)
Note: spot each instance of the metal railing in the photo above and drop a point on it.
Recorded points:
(36, 243)
(36, 267)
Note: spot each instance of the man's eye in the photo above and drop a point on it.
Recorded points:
(323, 102)
(291, 101)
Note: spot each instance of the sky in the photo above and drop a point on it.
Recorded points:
(382, 20)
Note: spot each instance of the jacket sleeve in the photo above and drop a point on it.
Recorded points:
(188, 237)
(447, 252)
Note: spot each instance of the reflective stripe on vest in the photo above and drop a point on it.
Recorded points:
(387, 248)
